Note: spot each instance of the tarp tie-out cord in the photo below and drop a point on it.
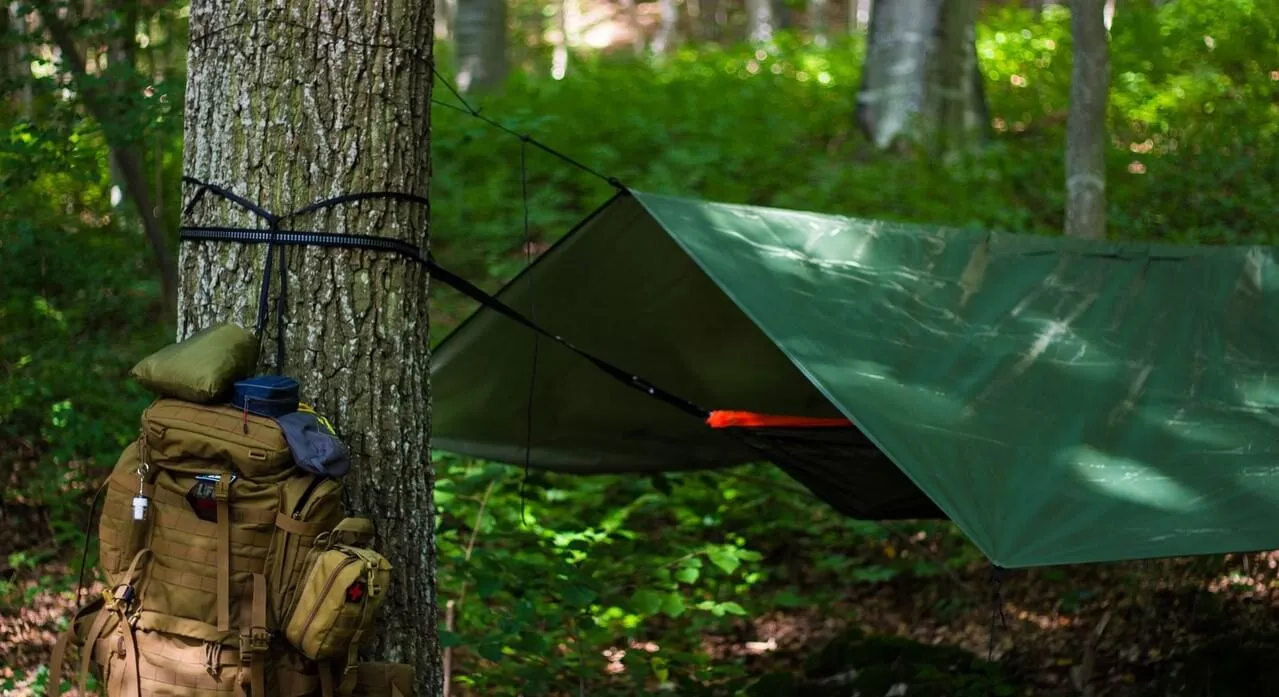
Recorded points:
(532, 310)
(996, 613)
(276, 236)
(466, 108)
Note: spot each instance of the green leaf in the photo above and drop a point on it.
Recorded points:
(733, 608)
(578, 595)
(450, 639)
(491, 651)
(647, 602)
(725, 558)
(687, 574)
(788, 598)
(487, 586)
(673, 604)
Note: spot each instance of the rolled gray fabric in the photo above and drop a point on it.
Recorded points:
(314, 448)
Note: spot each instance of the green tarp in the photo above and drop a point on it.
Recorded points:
(1061, 401)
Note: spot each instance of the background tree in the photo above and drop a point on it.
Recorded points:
(921, 80)
(338, 102)
(1086, 123)
(480, 38)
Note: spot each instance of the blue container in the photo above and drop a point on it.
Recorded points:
(266, 395)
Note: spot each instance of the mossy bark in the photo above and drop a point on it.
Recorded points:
(289, 103)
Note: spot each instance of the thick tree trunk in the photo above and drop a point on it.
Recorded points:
(759, 21)
(920, 81)
(288, 104)
(481, 44)
(1086, 122)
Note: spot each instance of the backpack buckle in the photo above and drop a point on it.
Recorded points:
(254, 640)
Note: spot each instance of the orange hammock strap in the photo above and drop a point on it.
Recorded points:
(750, 419)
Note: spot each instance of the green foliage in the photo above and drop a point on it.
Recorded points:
(558, 578)
(561, 584)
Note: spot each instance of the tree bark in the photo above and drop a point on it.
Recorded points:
(1086, 122)
(920, 81)
(288, 104)
(481, 44)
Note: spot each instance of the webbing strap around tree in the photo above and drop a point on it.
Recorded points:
(275, 236)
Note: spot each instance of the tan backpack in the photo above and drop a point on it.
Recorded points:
(230, 571)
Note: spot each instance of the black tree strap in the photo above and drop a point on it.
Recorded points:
(282, 238)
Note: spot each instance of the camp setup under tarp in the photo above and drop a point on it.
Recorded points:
(1062, 401)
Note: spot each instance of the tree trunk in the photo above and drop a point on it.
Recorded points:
(920, 81)
(287, 105)
(759, 21)
(481, 44)
(634, 26)
(445, 13)
(858, 15)
(1086, 122)
(667, 29)
(954, 94)
(125, 157)
(17, 62)
(817, 21)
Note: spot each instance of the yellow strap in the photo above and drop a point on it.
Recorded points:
(53, 687)
(131, 655)
(326, 679)
(91, 640)
(222, 493)
(297, 527)
(257, 671)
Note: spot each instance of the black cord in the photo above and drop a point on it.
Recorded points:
(84, 551)
(996, 613)
(281, 237)
(467, 109)
(532, 303)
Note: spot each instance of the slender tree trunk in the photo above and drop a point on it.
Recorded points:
(759, 21)
(667, 29)
(1086, 122)
(17, 63)
(288, 104)
(445, 13)
(124, 154)
(817, 21)
(633, 21)
(559, 55)
(858, 15)
(481, 44)
(953, 95)
(920, 81)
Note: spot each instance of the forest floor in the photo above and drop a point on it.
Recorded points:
(1150, 616)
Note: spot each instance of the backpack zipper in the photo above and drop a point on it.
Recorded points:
(306, 495)
(328, 586)
(297, 515)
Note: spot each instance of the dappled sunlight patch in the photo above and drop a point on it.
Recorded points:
(1128, 479)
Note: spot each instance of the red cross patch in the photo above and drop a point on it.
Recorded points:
(356, 592)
